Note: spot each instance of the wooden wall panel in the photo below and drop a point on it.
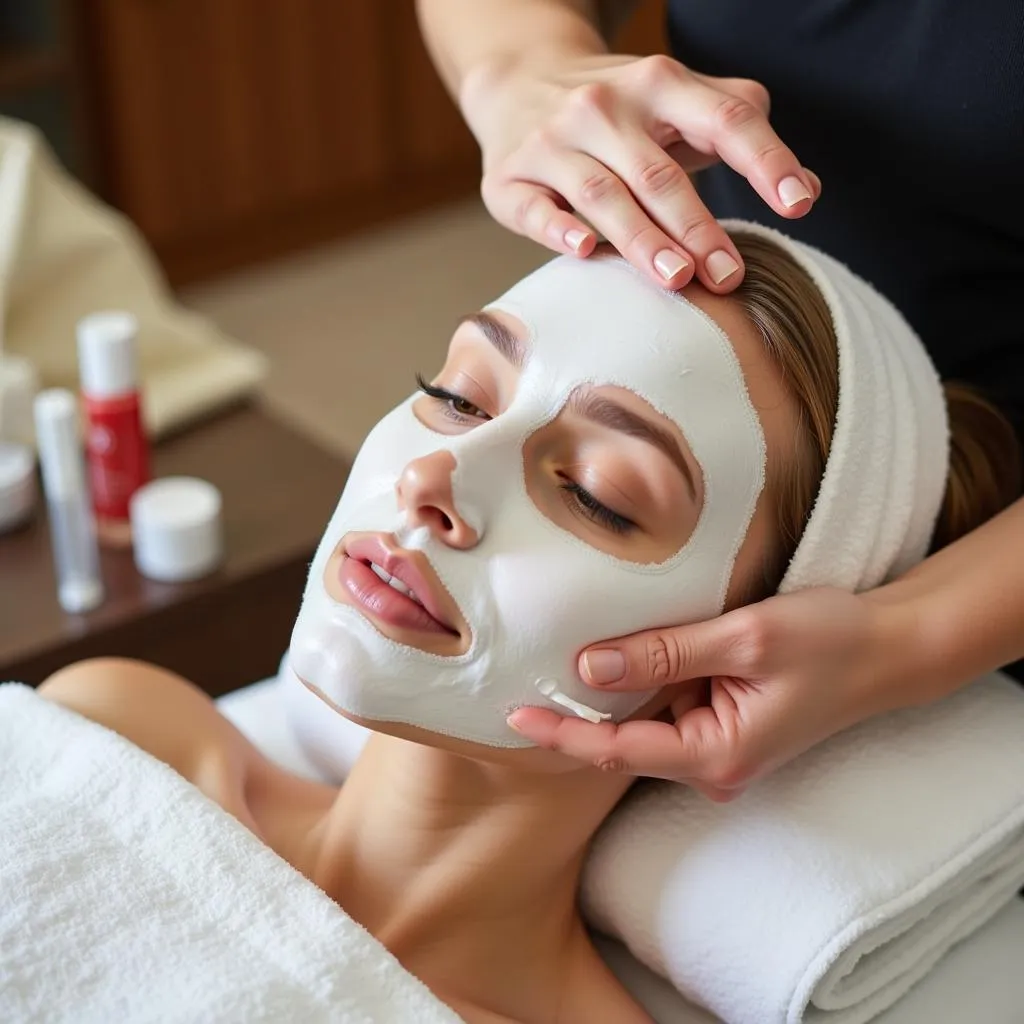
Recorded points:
(225, 109)
(644, 33)
(433, 134)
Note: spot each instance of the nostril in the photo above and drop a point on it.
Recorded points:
(446, 523)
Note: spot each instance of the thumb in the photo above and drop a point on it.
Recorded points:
(660, 657)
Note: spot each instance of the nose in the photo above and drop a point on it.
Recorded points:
(425, 495)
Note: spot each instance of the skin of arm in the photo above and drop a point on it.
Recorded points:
(964, 610)
(469, 38)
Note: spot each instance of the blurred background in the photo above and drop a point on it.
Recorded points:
(296, 167)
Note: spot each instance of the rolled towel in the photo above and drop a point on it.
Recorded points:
(833, 886)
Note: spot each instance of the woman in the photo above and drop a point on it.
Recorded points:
(904, 112)
(533, 479)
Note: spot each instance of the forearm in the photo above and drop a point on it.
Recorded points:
(960, 613)
(465, 37)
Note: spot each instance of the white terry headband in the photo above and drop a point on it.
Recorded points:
(887, 466)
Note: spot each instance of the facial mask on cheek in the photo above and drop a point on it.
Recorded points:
(534, 594)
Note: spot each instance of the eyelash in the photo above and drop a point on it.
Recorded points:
(448, 400)
(590, 507)
(583, 501)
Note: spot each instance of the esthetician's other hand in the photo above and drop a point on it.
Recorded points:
(612, 137)
(760, 685)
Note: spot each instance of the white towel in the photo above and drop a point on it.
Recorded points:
(886, 471)
(126, 895)
(833, 886)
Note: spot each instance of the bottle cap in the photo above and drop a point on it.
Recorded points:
(106, 354)
(60, 451)
(17, 484)
(176, 529)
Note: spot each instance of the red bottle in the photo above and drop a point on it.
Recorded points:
(117, 451)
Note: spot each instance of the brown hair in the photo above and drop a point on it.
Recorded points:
(794, 321)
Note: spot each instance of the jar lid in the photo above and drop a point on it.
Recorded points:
(176, 529)
(17, 484)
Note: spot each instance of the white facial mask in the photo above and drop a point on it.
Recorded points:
(534, 594)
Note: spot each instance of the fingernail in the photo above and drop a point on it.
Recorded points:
(513, 722)
(603, 667)
(792, 191)
(668, 263)
(575, 238)
(721, 265)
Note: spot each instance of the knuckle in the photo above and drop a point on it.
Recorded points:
(541, 141)
(734, 113)
(657, 69)
(730, 775)
(610, 763)
(754, 642)
(664, 658)
(528, 212)
(766, 154)
(639, 240)
(599, 187)
(593, 98)
(697, 232)
(492, 192)
(755, 94)
(659, 177)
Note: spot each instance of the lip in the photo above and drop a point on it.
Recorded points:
(435, 612)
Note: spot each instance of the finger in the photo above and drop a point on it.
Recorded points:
(661, 657)
(533, 211)
(746, 88)
(657, 749)
(666, 192)
(603, 198)
(715, 121)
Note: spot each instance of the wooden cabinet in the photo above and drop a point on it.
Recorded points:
(232, 130)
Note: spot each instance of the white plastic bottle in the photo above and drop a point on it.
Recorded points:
(72, 529)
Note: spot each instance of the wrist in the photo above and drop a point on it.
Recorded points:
(901, 671)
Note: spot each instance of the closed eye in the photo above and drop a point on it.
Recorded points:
(455, 407)
(582, 501)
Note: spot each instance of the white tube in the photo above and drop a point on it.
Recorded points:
(72, 530)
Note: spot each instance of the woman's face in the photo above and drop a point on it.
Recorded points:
(609, 470)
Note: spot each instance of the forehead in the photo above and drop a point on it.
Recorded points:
(599, 321)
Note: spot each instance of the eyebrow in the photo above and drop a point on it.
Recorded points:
(499, 336)
(608, 413)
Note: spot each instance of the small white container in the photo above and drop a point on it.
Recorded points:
(176, 529)
(17, 485)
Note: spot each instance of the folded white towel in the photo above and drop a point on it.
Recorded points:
(126, 895)
(833, 886)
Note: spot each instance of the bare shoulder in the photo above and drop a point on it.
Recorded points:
(165, 715)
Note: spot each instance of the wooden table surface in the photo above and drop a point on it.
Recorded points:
(223, 631)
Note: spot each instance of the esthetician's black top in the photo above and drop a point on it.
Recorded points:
(912, 114)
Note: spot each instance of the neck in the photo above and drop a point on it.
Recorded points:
(472, 867)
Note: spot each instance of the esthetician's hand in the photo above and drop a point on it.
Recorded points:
(612, 137)
(761, 685)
